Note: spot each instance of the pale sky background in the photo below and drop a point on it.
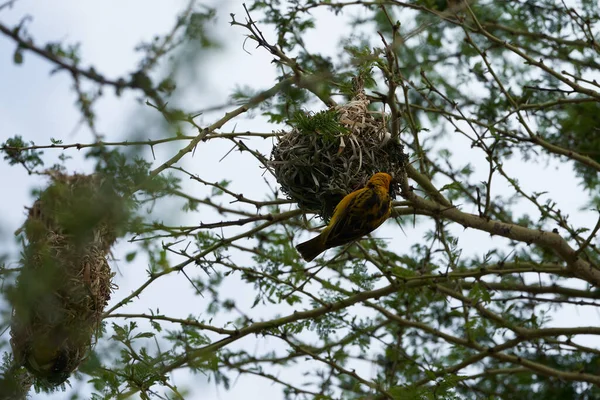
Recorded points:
(38, 107)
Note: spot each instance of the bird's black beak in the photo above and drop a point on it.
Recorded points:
(392, 189)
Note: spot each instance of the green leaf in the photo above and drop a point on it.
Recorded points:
(130, 256)
(18, 56)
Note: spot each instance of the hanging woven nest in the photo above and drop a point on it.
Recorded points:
(15, 383)
(334, 152)
(65, 280)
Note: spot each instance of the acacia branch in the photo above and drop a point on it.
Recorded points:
(550, 240)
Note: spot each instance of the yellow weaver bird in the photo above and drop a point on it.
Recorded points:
(357, 214)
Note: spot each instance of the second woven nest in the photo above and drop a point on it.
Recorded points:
(65, 280)
(332, 153)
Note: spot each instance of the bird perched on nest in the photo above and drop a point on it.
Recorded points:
(357, 214)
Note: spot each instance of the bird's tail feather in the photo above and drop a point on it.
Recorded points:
(311, 248)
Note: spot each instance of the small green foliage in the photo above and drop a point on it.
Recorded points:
(479, 293)
(70, 52)
(196, 28)
(167, 86)
(323, 123)
(242, 94)
(14, 153)
(129, 257)
(286, 103)
(141, 80)
(18, 56)
(217, 191)
(580, 131)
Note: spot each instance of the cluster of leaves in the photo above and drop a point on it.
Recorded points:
(579, 129)
(324, 124)
(29, 159)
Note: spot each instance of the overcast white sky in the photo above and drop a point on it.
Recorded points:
(38, 107)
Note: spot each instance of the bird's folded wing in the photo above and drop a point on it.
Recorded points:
(353, 221)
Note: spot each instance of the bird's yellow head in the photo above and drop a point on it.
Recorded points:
(381, 179)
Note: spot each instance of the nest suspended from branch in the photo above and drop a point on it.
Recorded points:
(65, 280)
(334, 152)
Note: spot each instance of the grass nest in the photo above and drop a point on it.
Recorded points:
(334, 152)
(65, 280)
